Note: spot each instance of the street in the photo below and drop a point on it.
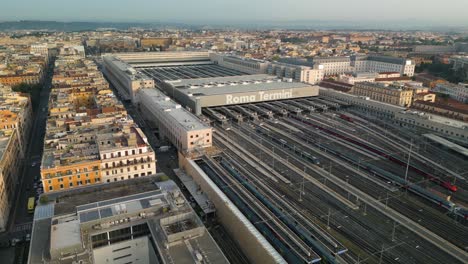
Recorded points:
(20, 221)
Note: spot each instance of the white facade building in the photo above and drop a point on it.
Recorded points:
(251, 66)
(371, 63)
(400, 115)
(183, 129)
(458, 92)
(125, 155)
(125, 78)
(305, 74)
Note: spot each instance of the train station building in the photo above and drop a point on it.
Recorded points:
(201, 79)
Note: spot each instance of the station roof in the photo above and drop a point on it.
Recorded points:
(233, 84)
(163, 104)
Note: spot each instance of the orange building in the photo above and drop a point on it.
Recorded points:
(12, 80)
(156, 42)
(8, 119)
(64, 177)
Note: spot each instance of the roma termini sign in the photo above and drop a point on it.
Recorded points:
(259, 96)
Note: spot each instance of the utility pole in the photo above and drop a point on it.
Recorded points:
(407, 166)
(386, 201)
(301, 187)
(393, 231)
(381, 254)
(328, 218)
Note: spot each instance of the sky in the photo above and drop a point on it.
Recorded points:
(437, 12)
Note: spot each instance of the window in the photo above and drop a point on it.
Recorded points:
(50, 188)
(71, 184)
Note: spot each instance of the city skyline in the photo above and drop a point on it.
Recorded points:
(362, 12)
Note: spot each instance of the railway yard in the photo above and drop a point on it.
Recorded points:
(324, 182)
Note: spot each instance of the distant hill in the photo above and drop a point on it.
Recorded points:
(74, 26)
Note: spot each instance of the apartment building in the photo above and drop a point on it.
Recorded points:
(22, 68)
(396, 95)
(15, 125)
(125, 154)
(86, 127)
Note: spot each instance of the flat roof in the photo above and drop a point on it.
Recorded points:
(449, 144)
(168, 73)
(234, 84)
(164, 104)
(65, 234)
(131, 204)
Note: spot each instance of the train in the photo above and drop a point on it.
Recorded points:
(272, 236)
(347, 118)
(306, 236)
(445, 184)
(285, 144)
(418, 190)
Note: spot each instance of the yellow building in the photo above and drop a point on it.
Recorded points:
(12, 80)
(86, 130)
(15, 124)
(397, 95)
(68, 176)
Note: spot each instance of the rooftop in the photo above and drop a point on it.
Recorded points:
(179, 233)
(188, 72)
(233, 84)
(173, 110)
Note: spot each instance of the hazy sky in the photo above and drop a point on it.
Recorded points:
(431, 11)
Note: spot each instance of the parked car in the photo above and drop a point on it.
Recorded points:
(15, 241)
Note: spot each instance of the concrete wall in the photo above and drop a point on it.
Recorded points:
(248, 241)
